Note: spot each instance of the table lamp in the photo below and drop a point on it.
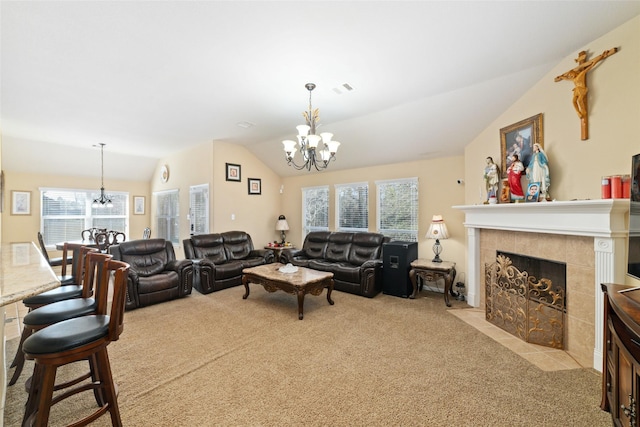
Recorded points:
(437, 230)
(282, 226)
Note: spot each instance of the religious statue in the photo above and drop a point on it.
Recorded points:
(579, 77)
(491, 178)
(514, 172)
(538, 171)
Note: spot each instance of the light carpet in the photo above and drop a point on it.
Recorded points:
(219, 360)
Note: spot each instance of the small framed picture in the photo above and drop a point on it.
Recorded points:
(533, 192)
(138, 205)
(255, 186)
(21, 203)
(233, 172)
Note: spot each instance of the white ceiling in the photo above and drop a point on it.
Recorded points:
(152, 78)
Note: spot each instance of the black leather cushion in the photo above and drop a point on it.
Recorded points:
(315, 244)
(146, 257)
(67, 335)
(228, 270)
(158, 282)
(238, 244)
(59, 311)
(252, 262)
(58, 294)
(338, 247)
(210, 246)
(365, 246)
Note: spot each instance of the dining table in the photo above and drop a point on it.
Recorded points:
(24, 272)
(90, 243)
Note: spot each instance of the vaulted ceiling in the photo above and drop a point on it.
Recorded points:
(152, 78)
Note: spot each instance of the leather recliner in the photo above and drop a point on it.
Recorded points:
(355, 259)
(219, 259)
(154, 275)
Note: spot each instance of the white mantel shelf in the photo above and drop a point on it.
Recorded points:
(597, 218)
(604, 220)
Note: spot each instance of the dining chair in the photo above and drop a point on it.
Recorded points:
(102, 241)
(53, 262)
(74, 340)
(146, 234)
(116, 237)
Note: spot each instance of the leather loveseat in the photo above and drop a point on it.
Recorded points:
(220, 258)
(154, 274)
(355, 259)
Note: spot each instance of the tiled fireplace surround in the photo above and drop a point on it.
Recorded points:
(589, 236)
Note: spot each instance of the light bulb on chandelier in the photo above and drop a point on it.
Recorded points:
(103, 201)
(316, 150)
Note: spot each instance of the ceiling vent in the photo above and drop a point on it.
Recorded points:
(345, 87)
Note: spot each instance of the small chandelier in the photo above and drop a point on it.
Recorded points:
(314, 153)
(104, 200)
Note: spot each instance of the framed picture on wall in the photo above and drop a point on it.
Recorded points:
(21, 203)
(233, 172)
(255, 186)
(138, 205)
(518, 139)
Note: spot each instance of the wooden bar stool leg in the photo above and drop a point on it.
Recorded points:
(108, 386)
(18, 361)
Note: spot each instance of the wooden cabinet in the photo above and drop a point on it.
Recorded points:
(621, 370)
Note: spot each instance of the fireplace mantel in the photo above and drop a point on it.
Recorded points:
(597, 218)
(604, 220)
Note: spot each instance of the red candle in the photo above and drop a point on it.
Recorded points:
(606, 187)
(616, 187)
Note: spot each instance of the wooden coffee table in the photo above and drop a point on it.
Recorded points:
(302, 282)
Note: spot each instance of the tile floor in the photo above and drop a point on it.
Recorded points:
(545, 358)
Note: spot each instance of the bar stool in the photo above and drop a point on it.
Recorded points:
(62, 293)
(73, 340)
(63, 310)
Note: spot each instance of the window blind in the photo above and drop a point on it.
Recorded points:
(397, 209)
(352, 207)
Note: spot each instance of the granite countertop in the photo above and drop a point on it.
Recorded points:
(24, 272)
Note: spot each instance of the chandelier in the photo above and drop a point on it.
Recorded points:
(316, 150)
(103, 200)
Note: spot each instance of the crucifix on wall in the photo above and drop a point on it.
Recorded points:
(579, 77)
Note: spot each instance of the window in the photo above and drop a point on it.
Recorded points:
(398, 209)
(66, 212)
(167, 215)
(315, 209)
(199, 209)
(352, 207)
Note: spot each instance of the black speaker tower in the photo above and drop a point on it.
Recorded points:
(396, 263)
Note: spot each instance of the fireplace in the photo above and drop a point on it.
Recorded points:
(526, 296)
(588, 235)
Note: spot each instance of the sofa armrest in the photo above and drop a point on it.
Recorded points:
(372, 263)
(287, 255)
(132, 300)
(266, 254)
(184, 268)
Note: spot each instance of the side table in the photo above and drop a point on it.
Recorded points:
(432, 271)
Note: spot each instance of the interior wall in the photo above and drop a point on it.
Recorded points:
(233, 208)
(24, 228)
(576, 166)
(438, 191)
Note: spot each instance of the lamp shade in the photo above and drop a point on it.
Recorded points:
(281, 224)
(437, 228)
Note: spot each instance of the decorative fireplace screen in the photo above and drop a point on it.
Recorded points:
(529, 308)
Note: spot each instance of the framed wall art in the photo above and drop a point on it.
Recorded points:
(21, 203)
(138, 205)
(233, 172)
(519, 138)
(255, 186)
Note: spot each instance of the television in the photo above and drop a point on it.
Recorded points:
(633, 253)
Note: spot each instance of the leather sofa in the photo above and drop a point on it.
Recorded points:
(154, 274)
(220, 258)
(355, 259)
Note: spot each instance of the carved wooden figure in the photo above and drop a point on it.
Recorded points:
(579, 77)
